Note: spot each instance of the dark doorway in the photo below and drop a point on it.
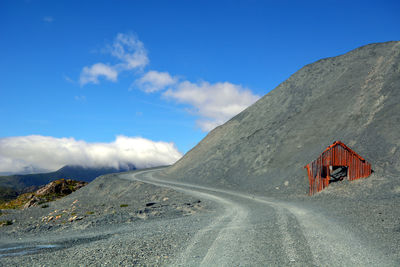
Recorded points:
(337, 173)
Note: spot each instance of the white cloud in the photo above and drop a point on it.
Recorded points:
(92, 74)
(130, 50)
(130, 53)
(214, 103)
(17, 154)
(154, 81)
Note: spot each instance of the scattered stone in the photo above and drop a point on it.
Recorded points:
(146, 210)
(75, 218)
(142, 215)
(33, 202)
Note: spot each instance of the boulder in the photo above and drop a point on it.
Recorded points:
(33, 202)
(60, 187)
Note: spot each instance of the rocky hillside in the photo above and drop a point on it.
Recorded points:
(13, 185)
(52, 191)
(354, 98)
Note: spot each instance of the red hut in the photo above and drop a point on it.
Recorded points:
(335, 163)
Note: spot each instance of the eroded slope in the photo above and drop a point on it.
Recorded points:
(353, 98)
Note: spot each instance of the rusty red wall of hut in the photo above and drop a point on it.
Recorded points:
(336, 155)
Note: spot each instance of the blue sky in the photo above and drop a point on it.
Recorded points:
(197, 63)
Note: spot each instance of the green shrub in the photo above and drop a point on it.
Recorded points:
(44, 206)
(123, 205)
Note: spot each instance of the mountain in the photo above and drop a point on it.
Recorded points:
(354, 98)
(11, 186)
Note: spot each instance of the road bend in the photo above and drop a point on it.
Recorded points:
(247, 230)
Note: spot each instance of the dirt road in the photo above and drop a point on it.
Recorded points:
(227, 228)
(251, 230)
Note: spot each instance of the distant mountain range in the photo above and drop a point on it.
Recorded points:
(13, 185)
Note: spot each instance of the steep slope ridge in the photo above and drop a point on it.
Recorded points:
(354, 98)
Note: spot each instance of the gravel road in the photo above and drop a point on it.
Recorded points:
(252, 230)
(228, 229)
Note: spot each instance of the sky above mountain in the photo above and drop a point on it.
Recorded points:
(108, 82)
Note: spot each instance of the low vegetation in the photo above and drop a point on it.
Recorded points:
(50, 192)
(17, 203)
(7, 194)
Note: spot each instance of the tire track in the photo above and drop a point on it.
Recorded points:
(330, 243)
(218, 236)
(224, 232)
(287, 240)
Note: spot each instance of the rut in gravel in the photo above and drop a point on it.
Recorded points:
(226, 240)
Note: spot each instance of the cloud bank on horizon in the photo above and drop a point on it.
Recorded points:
(35, 152)
(214, 104)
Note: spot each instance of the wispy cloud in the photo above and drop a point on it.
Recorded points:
(213, 103)
(130, 53)
(91, 74)
(68, 79)
(49, 153)
(154, 81)
(48, 19)
(130, 50)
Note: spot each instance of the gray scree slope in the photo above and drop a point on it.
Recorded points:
(354, 98)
